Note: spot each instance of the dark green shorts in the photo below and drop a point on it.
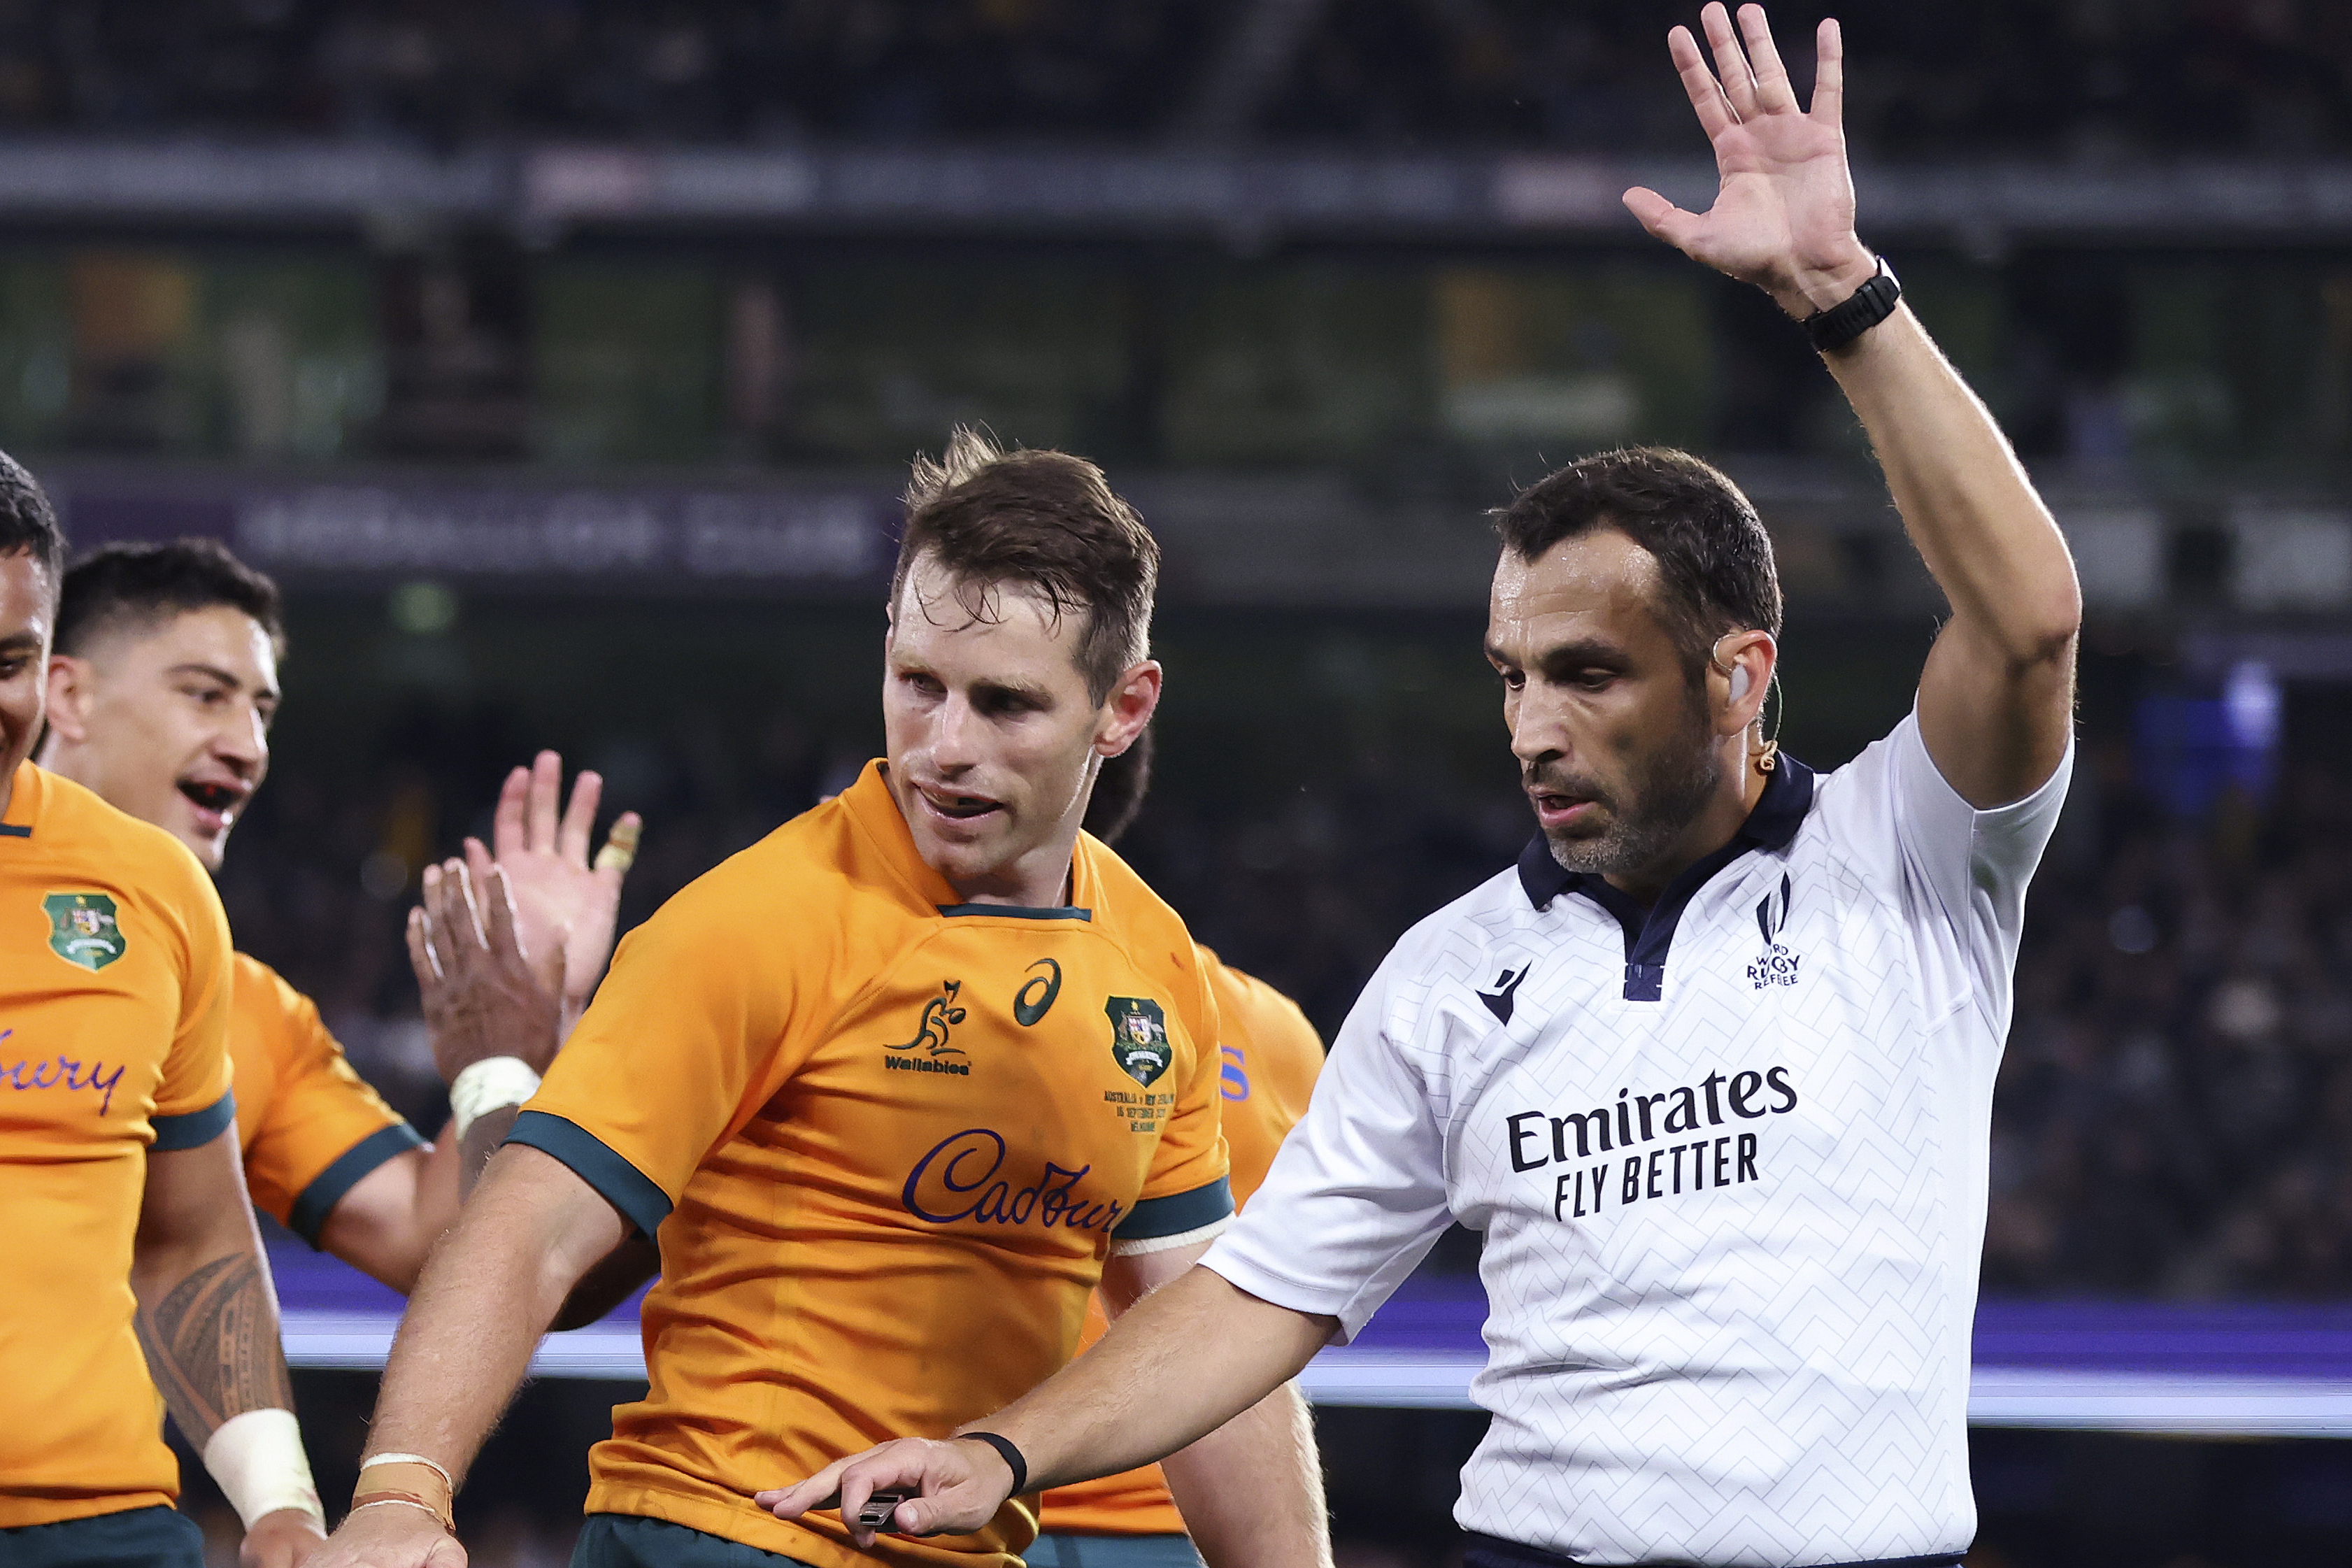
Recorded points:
(1059, 1551)
(135, 1538)
(632, 1540)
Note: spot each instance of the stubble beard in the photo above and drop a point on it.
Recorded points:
(1668, 791)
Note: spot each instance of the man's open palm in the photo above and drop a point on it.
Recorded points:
(1783, 215)
(562, 902)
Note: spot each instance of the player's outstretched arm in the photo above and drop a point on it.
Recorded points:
(1177, 1366)
(1996, 702)
(207, 1319)
(386, 1224)
(1251, 1490)
(530, 1231)
(483, 998)
(491, 1001)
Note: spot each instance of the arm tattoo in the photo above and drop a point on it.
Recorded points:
(213, 1349)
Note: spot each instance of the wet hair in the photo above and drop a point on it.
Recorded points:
(1121, 785)
(1046, 522)
(28, 525)
(119, 585)
(1715, 560)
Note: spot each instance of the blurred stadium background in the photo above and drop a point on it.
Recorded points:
(561, 357)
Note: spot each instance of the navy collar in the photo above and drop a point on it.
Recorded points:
(1779, 812)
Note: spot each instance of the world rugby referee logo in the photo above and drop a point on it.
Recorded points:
(1139, 1037)
(1776, 965)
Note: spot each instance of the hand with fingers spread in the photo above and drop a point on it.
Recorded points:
(486, 993)
(1783, 212)
(562, 902)
(954, 1486)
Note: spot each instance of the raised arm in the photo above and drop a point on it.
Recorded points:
(530, 1233)
(486, 998)
(518, 956)
(485, 1001)
(493, 1007)
(207, 1319)
(1180, 1363)
(1996, 702)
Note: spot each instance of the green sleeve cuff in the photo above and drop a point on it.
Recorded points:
(1177, 1212)
(622, 1185)
(195, 1129)
(307, 1218)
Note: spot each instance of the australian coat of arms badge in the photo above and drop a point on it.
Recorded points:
(83, 930)
(1139, 1037)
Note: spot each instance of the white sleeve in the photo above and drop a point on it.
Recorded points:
(1964, 868)
(1356, 1196)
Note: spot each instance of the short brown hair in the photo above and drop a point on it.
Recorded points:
(1048, 522)
(1712, 554)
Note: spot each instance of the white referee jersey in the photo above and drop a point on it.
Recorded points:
(1730, 1164)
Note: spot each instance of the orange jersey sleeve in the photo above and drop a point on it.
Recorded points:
(1189, 1190)
(114, 1005)
(199, 1075)
(309, 1126)
(692, 1016)
(1269, 1055)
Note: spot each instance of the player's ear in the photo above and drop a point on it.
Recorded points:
(1740, 675)
(1129, 709)
(71, 681)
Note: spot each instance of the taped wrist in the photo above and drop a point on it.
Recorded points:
(410, 1479)
(257, 1460)
(491, 1084)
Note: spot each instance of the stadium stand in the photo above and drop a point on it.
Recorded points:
(2086, 80)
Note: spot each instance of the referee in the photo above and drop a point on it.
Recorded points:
(1712, 1068)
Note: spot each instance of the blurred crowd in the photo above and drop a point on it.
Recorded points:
(2078, 78)
(2081, 78)
(450, 73)
(2175, 1109)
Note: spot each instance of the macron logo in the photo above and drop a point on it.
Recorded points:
(1501, 999)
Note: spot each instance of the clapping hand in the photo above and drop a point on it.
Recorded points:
(1783, 212)
(563, 904)
(486, 991)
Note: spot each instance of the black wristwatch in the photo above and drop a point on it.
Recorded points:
(1857, 313)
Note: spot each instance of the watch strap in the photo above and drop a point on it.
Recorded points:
(1864, 309)
(1006, 1451)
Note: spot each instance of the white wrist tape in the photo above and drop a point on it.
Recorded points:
(490, 1084)
(258, 1461)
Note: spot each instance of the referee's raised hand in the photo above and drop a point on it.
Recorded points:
(1783, 215)
(955, 1487)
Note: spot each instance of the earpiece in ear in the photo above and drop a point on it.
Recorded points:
(1739, 682)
